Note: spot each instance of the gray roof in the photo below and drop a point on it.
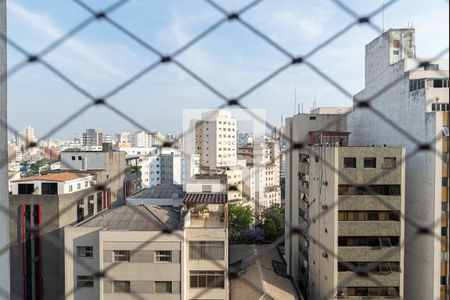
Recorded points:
(209, 198)
(136, 218)
(161, 191)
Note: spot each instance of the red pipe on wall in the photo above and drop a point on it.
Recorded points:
(40, 278)
(22, 239)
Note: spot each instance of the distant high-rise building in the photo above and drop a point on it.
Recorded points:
(139, 139)
(95, 137)
(25, 137)
(123, 137)
(416, 99)
(216, 139)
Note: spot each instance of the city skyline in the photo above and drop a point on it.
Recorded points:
(99, 58)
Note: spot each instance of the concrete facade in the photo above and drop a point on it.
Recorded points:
(195, 235)
(331, 217)
(99, 188)
(417, 100)
(297, 131)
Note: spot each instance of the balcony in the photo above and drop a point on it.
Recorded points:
(369, 228)
(391, 279)
(369, 254)
(369, 202)
(205, 219)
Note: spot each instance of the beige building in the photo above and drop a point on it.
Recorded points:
(152, 251)
(348, 211)
(216, 140)
(261, 175)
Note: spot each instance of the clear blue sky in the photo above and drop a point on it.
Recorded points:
(231, 58)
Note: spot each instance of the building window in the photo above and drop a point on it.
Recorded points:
(85, 251)
(445, 181)
(78, 186)
(396, 43)
(384, 241)
(391, 215)
(370, 162)
(25, 188)
(207, 279)
(163, 256)
(121, 255)
(121, 286)
(70, 188)
(389, 163)
(431, 67)
(202, 250)
(73, 157)
(91, 205)
(387, 190)
(80, 210)
(80, 158)
(49, 188)
(163, 287)
(99, 201)
(349, 162)
(440, 83)
(85, 281)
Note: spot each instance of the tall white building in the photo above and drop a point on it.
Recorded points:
(261, 175)
(139, 139)
(417, 100)
(25, 137)
(216, 139)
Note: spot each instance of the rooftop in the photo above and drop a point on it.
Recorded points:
(205, 198)
(65, 176)
(161, 191)
(136, 218)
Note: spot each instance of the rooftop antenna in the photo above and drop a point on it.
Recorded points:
(295, 98)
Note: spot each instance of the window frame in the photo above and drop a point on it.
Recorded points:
(370, 161)
(84, 252)
(85, 281)
(121, 255)
(127, 286)
(167, 289)
(158, 255)
(353, 163)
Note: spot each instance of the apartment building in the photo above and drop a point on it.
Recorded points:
(24, 138)
(172, 166)
(216, 139)
(351, 236)
(39, 207)
(95, 137)
(188, 261)
(261, 174)
(417, 100)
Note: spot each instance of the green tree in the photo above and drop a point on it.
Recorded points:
(239, 218)
(273, 221)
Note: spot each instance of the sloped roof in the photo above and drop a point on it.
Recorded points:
(208, 198)
(161, 191)
(136, 218)
(65, 176)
